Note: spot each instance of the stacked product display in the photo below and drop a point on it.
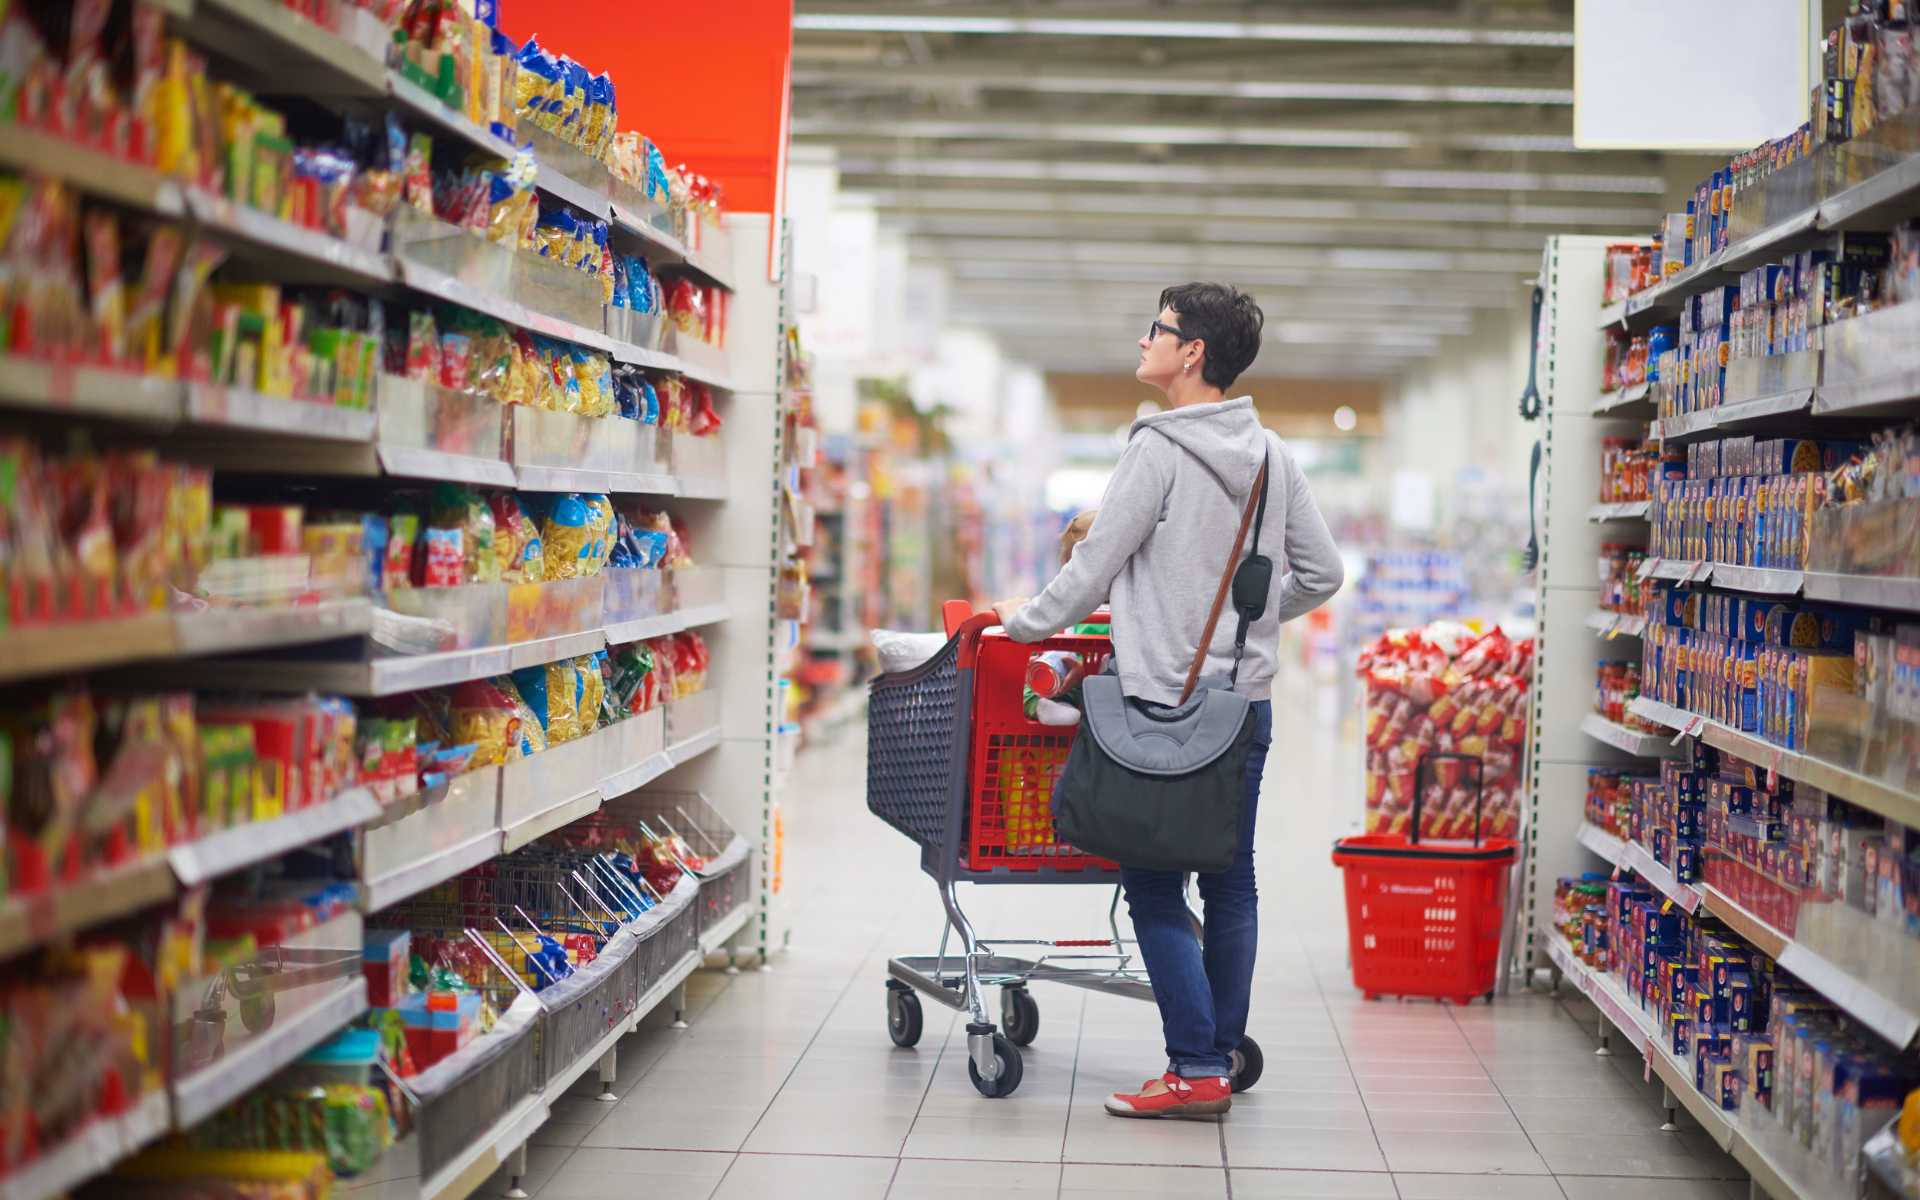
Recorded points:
(1445, 690)
(409, 765)
(1755, 782)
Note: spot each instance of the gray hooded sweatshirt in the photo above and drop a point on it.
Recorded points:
(1160, 543)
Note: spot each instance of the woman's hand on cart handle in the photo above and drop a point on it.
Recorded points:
(1005, 609)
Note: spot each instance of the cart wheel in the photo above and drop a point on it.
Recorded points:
(1019, 1015)
(256, 1012)
(904, 1020)
(1008, 1079)
(1248, 1064)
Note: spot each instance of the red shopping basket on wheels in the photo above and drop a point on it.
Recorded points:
(1425, 919)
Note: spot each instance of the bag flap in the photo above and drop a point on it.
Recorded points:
(1166, 741)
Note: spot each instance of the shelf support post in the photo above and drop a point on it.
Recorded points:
(1668, 1105)
(519, 1173)
(609, 1063)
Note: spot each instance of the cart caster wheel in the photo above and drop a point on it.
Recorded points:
(1001, 1085)
(256, 1012)
(1248, 1064)
(1370, 997)
(904, 1019)
(1019, 1015)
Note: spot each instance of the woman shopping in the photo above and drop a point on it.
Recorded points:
(1154, 552)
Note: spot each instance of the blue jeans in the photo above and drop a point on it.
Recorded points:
(1204, 993)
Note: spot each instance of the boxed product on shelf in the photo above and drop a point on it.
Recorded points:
(1806, 1081)
(1445, 689)
(1808, 677)
(1756, 501)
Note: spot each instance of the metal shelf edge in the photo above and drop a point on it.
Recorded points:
(241, 846)
(558, 816)
(200, 1095)
(28, 921)
(418, 876)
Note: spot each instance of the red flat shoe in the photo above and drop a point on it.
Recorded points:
(1175, 1096)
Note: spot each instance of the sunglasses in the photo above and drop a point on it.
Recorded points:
(1159, 327)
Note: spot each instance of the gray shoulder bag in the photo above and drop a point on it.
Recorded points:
(1148, 785)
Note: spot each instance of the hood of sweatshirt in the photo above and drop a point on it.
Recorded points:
(1225, 436)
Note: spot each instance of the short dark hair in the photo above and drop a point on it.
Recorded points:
(1226, 319)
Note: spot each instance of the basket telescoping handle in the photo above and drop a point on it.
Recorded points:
(1420, 775)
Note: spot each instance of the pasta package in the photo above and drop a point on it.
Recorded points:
(516, 541)
(566, 538)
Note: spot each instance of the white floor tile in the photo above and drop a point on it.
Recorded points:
(1252, 1184)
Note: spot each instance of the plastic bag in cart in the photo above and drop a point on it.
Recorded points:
(902, 651)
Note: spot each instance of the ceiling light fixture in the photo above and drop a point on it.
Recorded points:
(1132, 135)
(1190, 175)
(1267, 31)
(1076, 84)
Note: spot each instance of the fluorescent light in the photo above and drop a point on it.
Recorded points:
(1199, 257)
(1306, 325)
(922, 79)
(1165, 204)
(1515, 142)
(1416, 179)
(1269, 31)
(1244, 232)
(1132, 135)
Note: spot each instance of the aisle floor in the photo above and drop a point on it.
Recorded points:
(787, 1085)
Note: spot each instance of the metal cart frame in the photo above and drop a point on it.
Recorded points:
(921, 731)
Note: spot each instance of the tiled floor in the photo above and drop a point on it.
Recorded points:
(786, 1084)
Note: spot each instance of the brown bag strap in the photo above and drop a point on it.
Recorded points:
(1226, 582)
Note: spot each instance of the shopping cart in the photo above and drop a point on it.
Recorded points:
(954, 763)
(1424, 919)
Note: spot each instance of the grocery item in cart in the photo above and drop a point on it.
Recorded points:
(1445, 688)
(903, 651)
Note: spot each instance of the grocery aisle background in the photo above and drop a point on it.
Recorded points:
(792, 1068)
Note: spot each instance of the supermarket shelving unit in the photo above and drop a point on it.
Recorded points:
(720, 743)
(1866, 369)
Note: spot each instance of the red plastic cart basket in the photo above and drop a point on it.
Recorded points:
(1425, 920)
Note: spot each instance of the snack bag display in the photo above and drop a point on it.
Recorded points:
(1445, 688)
(566, 537)
(516, 543)
(462, 510)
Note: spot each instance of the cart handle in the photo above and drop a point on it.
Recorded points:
(966, 625)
